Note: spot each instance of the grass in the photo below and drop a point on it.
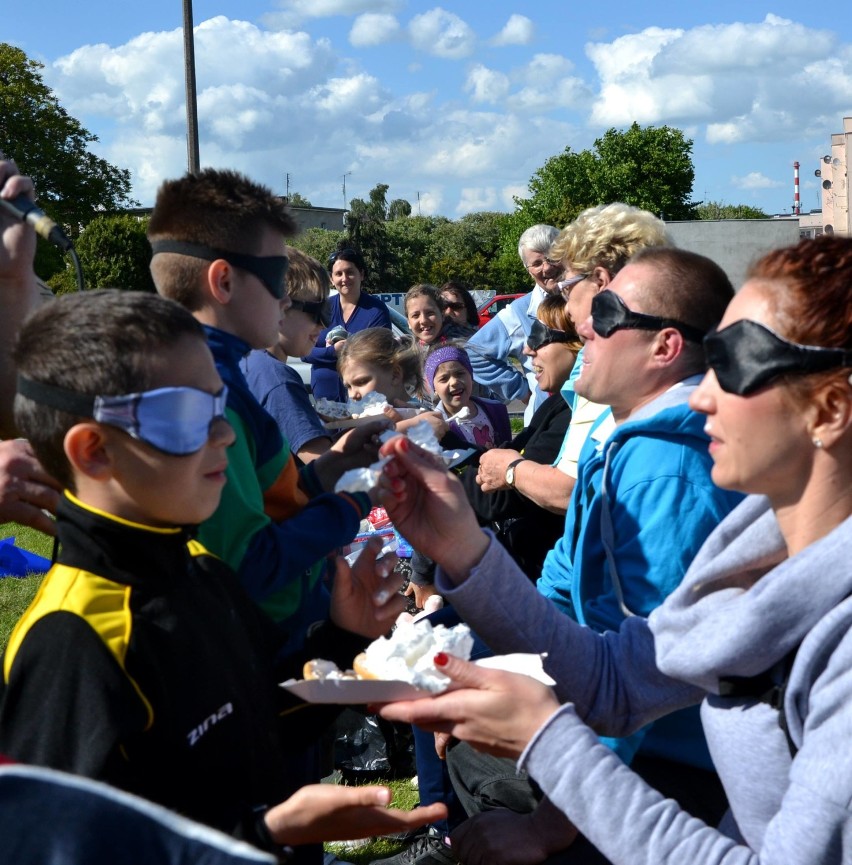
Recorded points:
(17, 592)
(517, 424)
(15, 596)
(405, 796)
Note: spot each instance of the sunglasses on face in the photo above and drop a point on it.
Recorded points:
(747, 355)
(174, 420)
(454, 305)
(610, 314)
(319, 311)
(271, 270)
(565, 285)
(542, 335)
(337, 253)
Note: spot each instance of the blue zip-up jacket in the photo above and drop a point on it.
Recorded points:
(642, 507)
(273, 524)
(502, 338)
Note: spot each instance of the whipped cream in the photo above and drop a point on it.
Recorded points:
(408, 654)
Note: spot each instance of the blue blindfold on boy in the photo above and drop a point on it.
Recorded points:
(174, 420)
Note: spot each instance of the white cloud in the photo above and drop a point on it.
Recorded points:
(747, 82)
(486, 85)
(474, 198)
(518, 30)
(755, 180)
(442, 34)
(293, 12)
(509, 193)
(373, 29)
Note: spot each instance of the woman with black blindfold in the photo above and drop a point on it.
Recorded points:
(760, 630)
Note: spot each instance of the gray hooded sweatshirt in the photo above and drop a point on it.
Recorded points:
(742, 607)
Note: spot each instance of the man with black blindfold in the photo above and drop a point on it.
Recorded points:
(642, 506)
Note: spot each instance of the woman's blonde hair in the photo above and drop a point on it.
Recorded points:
(607, 236)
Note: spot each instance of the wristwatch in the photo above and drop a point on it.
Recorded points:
(510, 472)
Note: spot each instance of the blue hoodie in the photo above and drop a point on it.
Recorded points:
(642, 507)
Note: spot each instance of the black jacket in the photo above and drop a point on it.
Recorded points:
(143, 663)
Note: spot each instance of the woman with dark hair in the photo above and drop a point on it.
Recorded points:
(527, 530)
(457, 304)
(352, 309)
(759, 632)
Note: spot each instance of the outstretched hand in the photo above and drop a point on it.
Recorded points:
(429, 507)
(328, 812)
(365, 598)
(355, 449)
(497, 712)
(26, 489)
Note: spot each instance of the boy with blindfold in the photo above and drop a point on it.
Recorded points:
(141, 661)
(218, 241)
(278, 387)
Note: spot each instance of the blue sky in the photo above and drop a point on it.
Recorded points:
(453, 106)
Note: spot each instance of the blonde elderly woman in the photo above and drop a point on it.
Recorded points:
(759, 633)
(590, 251)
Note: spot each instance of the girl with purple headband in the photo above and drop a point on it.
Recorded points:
(482, 422)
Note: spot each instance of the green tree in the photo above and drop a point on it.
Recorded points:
(366, 230)
(399, 208)
(717, 210)
(318, 242)
(114, 253)
(52, 147)
(298, 200)
(648, 167)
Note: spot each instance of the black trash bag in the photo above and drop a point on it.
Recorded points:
(369, 748)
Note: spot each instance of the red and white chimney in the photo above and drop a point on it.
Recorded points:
(796, 209)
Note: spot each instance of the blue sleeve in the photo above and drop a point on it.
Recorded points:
(279, 553)
(557, 575)
(322, 354)
(291, 407)
(489, 349)
(378, 316)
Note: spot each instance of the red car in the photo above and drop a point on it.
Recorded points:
(491, 307)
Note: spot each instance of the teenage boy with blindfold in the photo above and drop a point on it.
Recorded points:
(218, 241)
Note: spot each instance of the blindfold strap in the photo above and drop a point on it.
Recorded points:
(56, 397)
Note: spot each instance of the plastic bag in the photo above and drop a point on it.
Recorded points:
(369, 748)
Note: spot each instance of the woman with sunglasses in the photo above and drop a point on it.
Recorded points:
(760, 631)
(526, 529)
(352, 309)
(458, 306)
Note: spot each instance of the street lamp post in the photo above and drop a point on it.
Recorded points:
(192, 157)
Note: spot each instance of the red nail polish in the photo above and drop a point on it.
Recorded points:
(441, 659)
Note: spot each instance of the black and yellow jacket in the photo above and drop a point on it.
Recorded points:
(143, 663)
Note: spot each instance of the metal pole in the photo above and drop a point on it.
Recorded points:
(192, 157)
(344, 188)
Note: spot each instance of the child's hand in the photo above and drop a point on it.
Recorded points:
(421, 593)
(365, 598)
(433, 418)
(429, 507)
(328, 812)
